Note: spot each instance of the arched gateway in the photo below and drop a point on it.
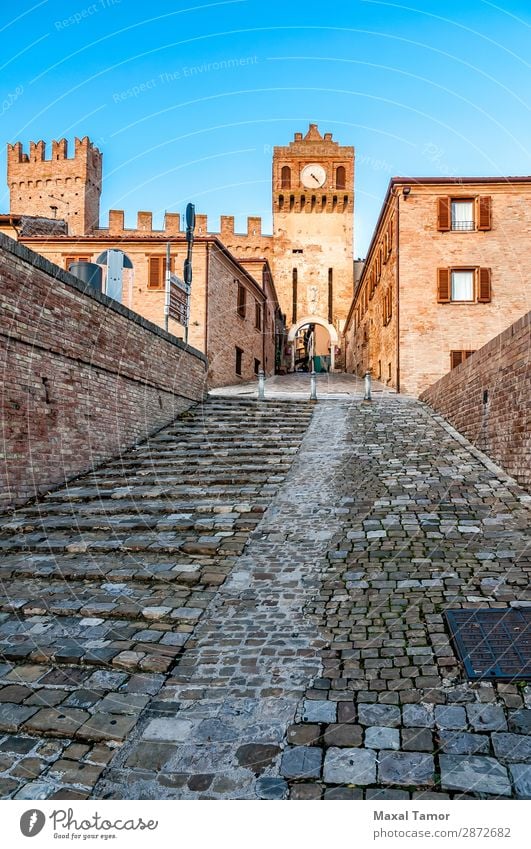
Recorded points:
(311, 320)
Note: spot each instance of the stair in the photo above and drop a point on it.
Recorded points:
(105, 579)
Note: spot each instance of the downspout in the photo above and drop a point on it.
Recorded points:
(397, 300)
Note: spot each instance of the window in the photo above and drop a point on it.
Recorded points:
(70, 259)
(258, 316)
(239, 357)
(285, 177)
(241, 300)
(458, 357)
(156, 269)
(379, 369)
(462, 214)
(462, 286)
(294, 296)
(330, 296)
(341, 178)
(256, 365)
(297, 251)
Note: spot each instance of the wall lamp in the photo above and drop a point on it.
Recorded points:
(406, 191)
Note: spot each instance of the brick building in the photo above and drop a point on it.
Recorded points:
(447, 270)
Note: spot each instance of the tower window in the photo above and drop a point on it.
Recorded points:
(330, 295)
(341, 177)
(285, 178)
(241, 300)
(239, 358)
(295, 278)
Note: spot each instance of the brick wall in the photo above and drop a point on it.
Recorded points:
(486, 398)
(83, 377)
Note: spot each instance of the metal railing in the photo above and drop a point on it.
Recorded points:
(462, 225)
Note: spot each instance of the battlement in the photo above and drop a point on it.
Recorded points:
(174, 225)
(37, 151)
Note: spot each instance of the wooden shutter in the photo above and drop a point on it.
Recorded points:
(444, 219)
(456, 358)
(484, 212)
(484, 287)
(443, 285)
(155, 272)
(389, 237)
(68, 261)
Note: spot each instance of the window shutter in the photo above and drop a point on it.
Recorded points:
(68, 261)
(485, 288)
(456, 358)
(155, 272)
(443, 213)
(443, 285)
(484, 212)
(389, 237)
(83, 259)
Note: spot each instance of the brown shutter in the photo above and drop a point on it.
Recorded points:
(68, 261)
(456, 358)
(484, 212)
(443, 285)
(155, 272)
(389, 237)
(443, 213)
(83, 259)
(485, 288)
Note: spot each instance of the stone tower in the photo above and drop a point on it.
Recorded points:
(313, 216)
(58, 187)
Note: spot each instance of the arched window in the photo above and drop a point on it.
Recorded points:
(286, 177)
(341, 177)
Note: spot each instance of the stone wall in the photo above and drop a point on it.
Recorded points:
(83, 377)
(487, 398)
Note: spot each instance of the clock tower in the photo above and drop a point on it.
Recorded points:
(313, 253)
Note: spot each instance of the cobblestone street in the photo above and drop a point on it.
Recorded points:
(250, 605)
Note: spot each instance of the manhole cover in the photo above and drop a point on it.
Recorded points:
(493, 643)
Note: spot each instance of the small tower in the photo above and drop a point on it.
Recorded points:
(58, 187)
(313, 218)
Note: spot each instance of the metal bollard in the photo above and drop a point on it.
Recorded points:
(368, 384)
(313, 386)
(261, 384)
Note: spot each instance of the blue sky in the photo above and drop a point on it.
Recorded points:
(187, 98)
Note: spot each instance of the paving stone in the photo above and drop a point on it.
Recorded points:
(346, 712)
(380, 737)
(123, 703)
(7, 786)
(474, 774)
(406, 768)
(306, 792)
(71, 772)
(343, 794)
(304, 734)
(378, 714)
(521, 777)
(450, 717)
(376, 795)
(150, 755)
(57, 722)
(486, 717)
(104, 726)
(170, 730)
(301, 762)
(417, 740)
(463, 743)
(319, 711)
(418, 716)
(18, 745)
(13, 717)
(349, 766)
(257, 756)
(271, 788)
(343, 735)
(512, 747)
(520, 721)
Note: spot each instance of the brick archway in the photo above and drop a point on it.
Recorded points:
(311, 319)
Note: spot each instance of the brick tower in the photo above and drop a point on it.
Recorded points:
(313, 216)
(58, 187)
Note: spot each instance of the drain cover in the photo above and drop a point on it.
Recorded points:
(493, 643)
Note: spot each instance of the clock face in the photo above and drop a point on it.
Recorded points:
(313, 176)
